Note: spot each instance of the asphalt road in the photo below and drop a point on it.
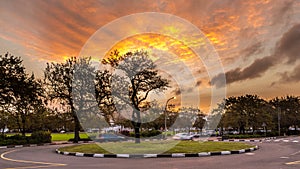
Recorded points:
(276, 154)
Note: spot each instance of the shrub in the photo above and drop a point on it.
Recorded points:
(16, 137)
(81, 139)
(244, 136)
(125, 133)
(40, 137)
(151, 133)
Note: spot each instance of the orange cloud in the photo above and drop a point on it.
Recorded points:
(151, 41)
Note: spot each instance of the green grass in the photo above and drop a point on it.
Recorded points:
(59, 136)
(11, 134)
(66, 136)
(157, 147)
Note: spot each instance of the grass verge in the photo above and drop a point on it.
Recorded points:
(58, 136)
(66, 136)
(157, 147)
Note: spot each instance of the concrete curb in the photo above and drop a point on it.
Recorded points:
(237, 140)
(60, 143)
(174, 155)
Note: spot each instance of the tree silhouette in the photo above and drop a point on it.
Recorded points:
(287, 109)
(20, 93)
(134, 79)
(59, 79)
(247, 111)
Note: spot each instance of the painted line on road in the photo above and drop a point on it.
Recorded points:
(295, 153)
(293, 163)
(44, 164)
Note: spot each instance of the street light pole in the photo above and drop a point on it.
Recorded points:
(278, 117)
(166, 112)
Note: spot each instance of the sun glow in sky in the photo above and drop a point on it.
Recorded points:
(151, 41)
(257, 41)
(169, 55)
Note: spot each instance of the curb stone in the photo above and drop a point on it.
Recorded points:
(67, 142)
(173, 155)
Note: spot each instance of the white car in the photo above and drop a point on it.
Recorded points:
(183, 136)
(4, 130)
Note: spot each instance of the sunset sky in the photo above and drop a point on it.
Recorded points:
(257, 42)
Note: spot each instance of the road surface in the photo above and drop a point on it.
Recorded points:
(275, 154)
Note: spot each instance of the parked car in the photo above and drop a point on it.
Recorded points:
(183, 136)
(62, 131)
(210, 133)
(196, 135)
(110, 137)
(6, 130)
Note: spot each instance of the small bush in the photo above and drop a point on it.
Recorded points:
(16, 137)
(125, 133)
(131, 134)
(40, 137)
(151, 133)
(81, 139)
(244, 136)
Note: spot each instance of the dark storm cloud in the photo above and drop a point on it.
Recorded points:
(294, 76)
(289, 45)
(218, 81)
(252, 50)
(286, 51)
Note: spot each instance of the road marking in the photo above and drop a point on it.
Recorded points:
(293, 163)
(44, 164)
(250, 154)
(295, 153)
(284, 157)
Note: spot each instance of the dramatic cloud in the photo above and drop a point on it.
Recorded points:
(250, 37)
(252, 50)
(282, 12)
(289, 45)
(294, 76)
(286, 50)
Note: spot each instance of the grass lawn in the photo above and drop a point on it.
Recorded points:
(58, 136)
(156, 147)
(66, 136)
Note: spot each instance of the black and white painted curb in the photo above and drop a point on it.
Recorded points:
(174, 155)
(283, 140)
(236, 140)
(60, 143)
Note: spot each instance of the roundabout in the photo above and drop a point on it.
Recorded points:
(273, 154)
(153, 149)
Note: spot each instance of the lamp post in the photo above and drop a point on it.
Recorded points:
(166, 112)
(264, 125)
(278, 117)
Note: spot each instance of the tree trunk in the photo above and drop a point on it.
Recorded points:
(76, 122)
(253, 130)
(136, 122)
(23, 125)
(137, 133)
(18, 123)
(76, 130)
